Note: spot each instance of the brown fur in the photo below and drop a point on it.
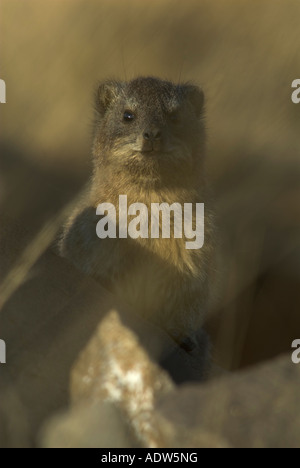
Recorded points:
(159, 278)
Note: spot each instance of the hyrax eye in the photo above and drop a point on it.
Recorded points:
(128, 116)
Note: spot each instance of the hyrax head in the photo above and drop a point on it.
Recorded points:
(150, 129)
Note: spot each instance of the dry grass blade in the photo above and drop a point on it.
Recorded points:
(19, 272)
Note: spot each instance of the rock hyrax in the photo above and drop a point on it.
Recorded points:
(149, 144)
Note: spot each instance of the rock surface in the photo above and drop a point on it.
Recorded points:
(115, 368)
(92, 426)
(257, 408)
(254, 409)
(120, 395)
(115, 385)
(46, 323)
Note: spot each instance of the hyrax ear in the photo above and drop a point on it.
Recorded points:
(107, 93)
(195, 95)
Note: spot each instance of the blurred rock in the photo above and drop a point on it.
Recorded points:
(48, 320)
(114, 367)
(91, 426)
(180, 436)
(14, 423)
(254, 409)
(115, 378)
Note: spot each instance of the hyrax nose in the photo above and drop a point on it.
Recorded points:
(153, 134)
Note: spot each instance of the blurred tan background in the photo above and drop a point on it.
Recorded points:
(245, 54)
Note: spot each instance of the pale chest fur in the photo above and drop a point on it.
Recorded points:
(163, 241)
